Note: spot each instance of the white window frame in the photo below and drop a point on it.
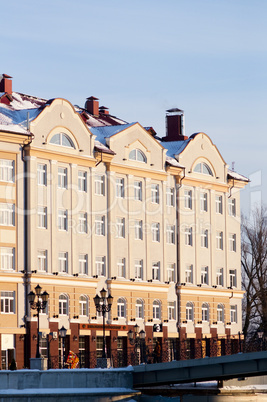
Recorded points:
(42, 260)
(219, 277)
(188, 236)
(171, 311)
(82, 181)
(220, 313)
(7, 302)
(99, 184)
(189, 311)
(62, 177)
(170, 234)
(188, 199)
(203, 201)
(204, 238)
(155, 229)
(205, 312)
(121, 267)
(62, 219)
(120, 228)
(138, 191)
(170, 197)
(7, 214)
(63, 262)
(232, 206)
(156, 271)
(100, 225)
(83, 264)
(139, 308)
(63, 304)
(138, 230)
(83, 222)
(121, 308)
(42, 217)
(171, 272)
(7, 258)
(83, 306)
(100, 265)
(189, 273)
(232, 242)
(138, 269)
(120, 187)
(219, 240)
(232, 278)
(218, 204)
(204, 275)
(42, 174)
(233, 314)
(156, 310)
(155, 193)
(7, 170)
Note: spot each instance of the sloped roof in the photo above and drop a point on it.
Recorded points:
(236, 176)
(108, 131)
(175, 147)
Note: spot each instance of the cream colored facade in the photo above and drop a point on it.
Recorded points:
(102, 218)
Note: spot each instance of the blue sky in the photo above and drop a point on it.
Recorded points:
(207, 57)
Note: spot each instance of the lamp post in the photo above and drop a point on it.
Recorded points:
(38, 301)
(103, 305)
(137, 338)
(62, 333)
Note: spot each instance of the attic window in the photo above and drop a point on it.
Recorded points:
(62, 140)
(203, 168)
(137, 155)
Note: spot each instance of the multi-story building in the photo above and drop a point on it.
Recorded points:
(89, 201)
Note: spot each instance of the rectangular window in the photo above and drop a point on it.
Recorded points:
(42, 260)
(156, 271)
(119, 187)
(188, 199)
(171, 310)
(8, 302)
(232, 206)
(170, 231)
(7, 170)
(62, 177)
(7, 258)
(232, 277)
(138, 269)
(189, 312)
(62, 219)
(219, 240)
(138, 230)
(189, 273)
(121, 267)
(204, 238)
(155, 193)
(100, 225)
(82, 181)
(63, 262)
(171, 273)
(233, 314)
(42, 217)
(203, 202)
(232, 242)
(100, 265)
(170, 196)
(204, 275)
(41, 174)
(155, 232)
(138, 190)
(7, 214)
(99, 185)
(83, 264)
(82, 222)
(188, 236)
(218, 204)
(219, 277)
(120, 227)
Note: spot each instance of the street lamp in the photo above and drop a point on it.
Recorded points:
(62, 333)
(38, 301)
(137, 338)
(103, 305)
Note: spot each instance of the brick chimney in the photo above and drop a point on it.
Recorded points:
(175, 125)
(6, 84)
(92, 105)
(103, 110)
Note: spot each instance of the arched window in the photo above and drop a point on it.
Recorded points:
(189, 311)
(203, 168)
(156, 310)
(137, 155)
(139, 308)
(83, 305)
(121, 307)
(205, 312)
(220, 313)
(62, 140)
(63, 307)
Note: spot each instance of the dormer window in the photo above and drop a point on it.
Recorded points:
(62, 140)
(137, 155)
(203, 168)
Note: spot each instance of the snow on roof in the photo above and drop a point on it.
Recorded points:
(103, 132)
(173, 162)
(237, 176)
